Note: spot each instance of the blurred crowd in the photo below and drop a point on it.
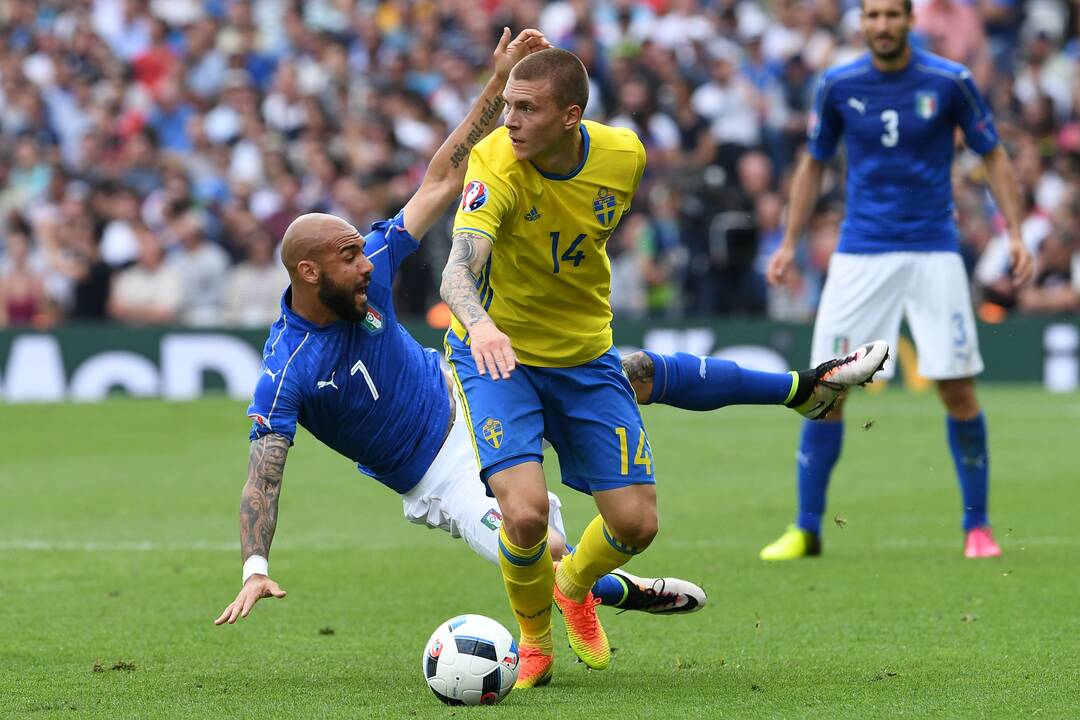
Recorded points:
(152, 152)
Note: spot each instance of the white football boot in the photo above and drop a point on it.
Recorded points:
(833, 377)
(660, 596)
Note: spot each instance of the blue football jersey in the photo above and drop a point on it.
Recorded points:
(898, 132)
(366, 389)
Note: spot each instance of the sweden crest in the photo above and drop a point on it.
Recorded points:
(492, 430)
(604, 206)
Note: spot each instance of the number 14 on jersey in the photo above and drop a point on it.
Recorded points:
(643, 456)
(568, 255)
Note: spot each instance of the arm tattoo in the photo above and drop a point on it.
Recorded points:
(458, 287)
(259, 503)
(477, 131)
(638, 367)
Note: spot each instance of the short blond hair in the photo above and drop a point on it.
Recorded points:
(569, 79)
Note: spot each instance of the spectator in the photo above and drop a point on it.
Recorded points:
(697, 149)
(253, 288)
(288, 209)
(22, 289)
(143, 172)
(171, 117)
(628, 297)
(201, 266)
(63, 231)
(637, 110)
(1057, 287)
(29, 177)
(254, 112)
(90, 276)
(728, 101)
(283, 109)
(119, 246)
(206, 64)
(149, 292)
(955, 31)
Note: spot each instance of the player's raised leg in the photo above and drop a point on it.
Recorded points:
(694, 382)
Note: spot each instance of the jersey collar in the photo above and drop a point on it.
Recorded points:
(298, 321)
(912, 61)
(575, 171)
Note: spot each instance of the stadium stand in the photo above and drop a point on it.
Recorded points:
(204, 127)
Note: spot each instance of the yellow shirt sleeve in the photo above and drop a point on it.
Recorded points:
(637, 176)
(485, 200)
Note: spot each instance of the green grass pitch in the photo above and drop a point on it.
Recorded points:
(118, 547)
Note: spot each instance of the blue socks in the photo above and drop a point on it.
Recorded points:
(967, 440)
(610, 590)
(819, 449)
(692, 382)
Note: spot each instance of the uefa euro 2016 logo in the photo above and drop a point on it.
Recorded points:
(474, 197)
(604, 206)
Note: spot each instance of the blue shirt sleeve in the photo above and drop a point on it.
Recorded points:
(825, 124)
(274, 407)
(398, 243)
(973, 116)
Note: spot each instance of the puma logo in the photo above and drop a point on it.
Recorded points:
(858, 105)
(273, 375)
(327, 383)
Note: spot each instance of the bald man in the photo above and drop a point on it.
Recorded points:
(338, 363)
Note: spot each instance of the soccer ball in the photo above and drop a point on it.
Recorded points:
(470, 660)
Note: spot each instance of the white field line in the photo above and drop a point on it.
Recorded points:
(182, 546)
(30, 545)
(1010, 542)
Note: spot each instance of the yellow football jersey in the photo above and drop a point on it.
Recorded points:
(548, 281)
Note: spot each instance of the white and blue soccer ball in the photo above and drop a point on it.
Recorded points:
(470, 660)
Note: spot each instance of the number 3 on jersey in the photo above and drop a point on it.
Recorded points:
(891, 118)
(568, 255)
(643, 456)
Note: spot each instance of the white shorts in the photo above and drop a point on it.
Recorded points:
(866, 295)
(451, 496)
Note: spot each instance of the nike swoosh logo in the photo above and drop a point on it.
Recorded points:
(688, 606)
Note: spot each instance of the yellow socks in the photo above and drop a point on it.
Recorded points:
(529, 576)
(596, 555)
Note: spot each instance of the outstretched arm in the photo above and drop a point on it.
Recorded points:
(446, 172)
(258, 520)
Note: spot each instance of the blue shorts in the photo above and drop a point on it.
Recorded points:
(588, 413)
